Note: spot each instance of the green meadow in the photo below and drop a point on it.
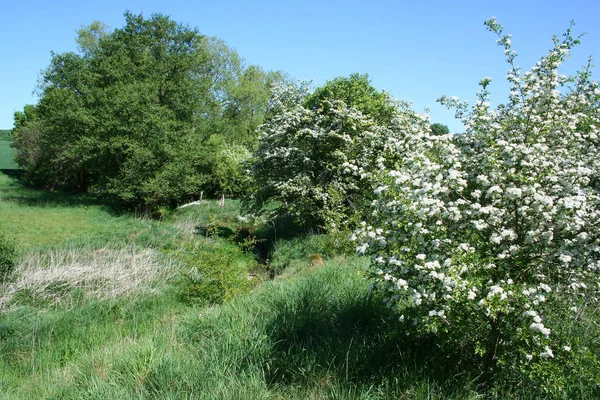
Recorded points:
(202, 304)
(291, 241)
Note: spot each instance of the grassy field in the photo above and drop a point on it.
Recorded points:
(7, 155)
(41, 219)
(204, 304)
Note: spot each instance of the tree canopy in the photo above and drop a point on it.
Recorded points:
(439, 129)
(147, 115)
(355, 91)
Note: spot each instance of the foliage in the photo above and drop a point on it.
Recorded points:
(27, 134)
(88, 37)
(215, 271)
(323, 335)
(439, 129)
(355, 91)
(147, 115)
(317, 162)
(319, 333)
(487, 238)
(8, 256)
(246, 105)
(223, 164)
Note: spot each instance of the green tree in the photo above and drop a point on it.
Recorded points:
(147, 115)
(439, 129)
(355, 91)
(248, 102)
(27, 135)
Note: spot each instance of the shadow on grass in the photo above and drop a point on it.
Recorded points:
(283, 228)
(356, 340)
(13, 173)
(62, 199)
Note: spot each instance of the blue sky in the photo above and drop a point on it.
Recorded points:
(416, 50)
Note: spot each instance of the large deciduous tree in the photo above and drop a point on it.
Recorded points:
(148, 114)
(439, 129)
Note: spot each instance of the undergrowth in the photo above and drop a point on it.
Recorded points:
(209, 303)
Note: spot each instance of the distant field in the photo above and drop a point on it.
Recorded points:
(7, 155)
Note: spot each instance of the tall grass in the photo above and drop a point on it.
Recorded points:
(322, 335)
(41, 349)
(105, 306)
(52, 276)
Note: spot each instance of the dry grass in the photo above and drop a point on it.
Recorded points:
(188, 226)
(104, 273)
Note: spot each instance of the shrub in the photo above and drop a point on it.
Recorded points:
(215, 271)
(486, 238)
(317, 160)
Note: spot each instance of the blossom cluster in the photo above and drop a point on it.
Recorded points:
(319, 163)
(494, 223)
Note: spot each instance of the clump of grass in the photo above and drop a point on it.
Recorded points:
(214, 270)
(50, 276)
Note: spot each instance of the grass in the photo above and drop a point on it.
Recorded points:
(106, 306)
(321, 335)
(43, 219)
(42, 348)
(7, 155)
(49, 277)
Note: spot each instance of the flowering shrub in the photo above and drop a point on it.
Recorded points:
(480, 235)
(318, 162)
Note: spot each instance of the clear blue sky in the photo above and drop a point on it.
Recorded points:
(418, 50)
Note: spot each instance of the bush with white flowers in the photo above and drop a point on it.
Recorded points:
(476, 237)
(318, 163)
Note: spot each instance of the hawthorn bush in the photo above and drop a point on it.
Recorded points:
(318, 154)
(490, 240)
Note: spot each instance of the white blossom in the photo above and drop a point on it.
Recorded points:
(504, 218)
